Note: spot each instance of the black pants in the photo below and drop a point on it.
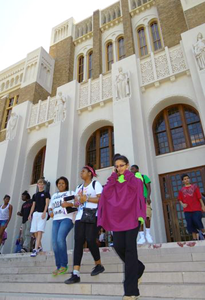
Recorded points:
(85, 232)
(125, 245)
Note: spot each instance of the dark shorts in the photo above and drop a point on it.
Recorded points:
(3, 223)
(193, 220)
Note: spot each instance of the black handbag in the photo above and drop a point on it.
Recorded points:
(89, 215)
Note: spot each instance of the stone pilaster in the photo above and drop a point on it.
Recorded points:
(63, 53)
(127, 25)
(97, 45)
(172, 21)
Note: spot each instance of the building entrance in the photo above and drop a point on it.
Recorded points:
(170, 185)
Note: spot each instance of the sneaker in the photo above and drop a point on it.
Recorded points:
(72, 279)
(149, 238)
(40, 249)
(62, 270)
(34, 253)
(97, 270)
(141, 240)
(55, 273)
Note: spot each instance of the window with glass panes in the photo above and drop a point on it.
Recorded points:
(38, 165)
(90, 64)
(142, 41)
(11, 102)
(100, 148)
(80, 68)
(157, 44)
(109, 56)
(177, 127)
(121, 48)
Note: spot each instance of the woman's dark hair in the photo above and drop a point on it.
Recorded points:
(25, 193)
(184, 175)
(7, 196)
(91, 166)
(65, 180)
(114, 158)
(121, 157)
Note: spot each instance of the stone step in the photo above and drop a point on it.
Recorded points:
(151, 277)
(20, 296)
(111, 268)
(44, 260)
(189, 291)
(144, 251)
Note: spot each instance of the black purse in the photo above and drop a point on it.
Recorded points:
(89, 215)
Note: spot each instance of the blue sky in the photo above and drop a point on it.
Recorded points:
(25, 25)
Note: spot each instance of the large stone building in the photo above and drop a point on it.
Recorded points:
(129, 79)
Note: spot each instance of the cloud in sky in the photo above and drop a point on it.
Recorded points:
(26, 25)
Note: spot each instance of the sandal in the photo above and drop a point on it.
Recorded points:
(55, 273)
(62, 270)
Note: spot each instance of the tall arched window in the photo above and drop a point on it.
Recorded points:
(90, 64)
(121, 48)
(100, 148)
(38, 165)
(80, 68)
(142, 41)
(109, 51)
(177, 127)
(156, 39)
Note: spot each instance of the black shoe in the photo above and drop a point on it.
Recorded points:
(97, 270)
(72, 279)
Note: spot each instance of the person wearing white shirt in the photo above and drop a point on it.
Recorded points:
(87, 196)
(62, 223)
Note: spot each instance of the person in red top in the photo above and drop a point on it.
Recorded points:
(191, 201)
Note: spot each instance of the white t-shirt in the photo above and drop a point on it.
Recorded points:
(90, 192)
(60, 212)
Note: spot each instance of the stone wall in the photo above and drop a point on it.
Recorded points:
(63, 53)
(128, 35)
(172, 21)
(195, 16)
(33, 92)
(97, 45)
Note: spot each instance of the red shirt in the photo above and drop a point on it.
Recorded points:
(190, 195)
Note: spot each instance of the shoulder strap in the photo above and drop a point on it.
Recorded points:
(93, 184)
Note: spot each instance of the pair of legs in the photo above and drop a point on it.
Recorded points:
(38, 237)
(148, 236)
(26, 235)
(194, 223)
(126, 247)
(85, 232)
(60, 230)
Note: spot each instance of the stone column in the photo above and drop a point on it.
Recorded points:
(127, 25)
(97, 45)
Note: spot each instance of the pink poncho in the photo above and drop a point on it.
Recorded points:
(121, 204)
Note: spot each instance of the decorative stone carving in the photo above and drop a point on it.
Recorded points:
(122, 83)
(60, 108)
(199, 51)
(11, 127)
(107, 87)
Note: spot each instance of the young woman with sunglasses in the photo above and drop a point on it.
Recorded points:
(121, 210)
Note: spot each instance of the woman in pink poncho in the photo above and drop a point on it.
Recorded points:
(121, 209)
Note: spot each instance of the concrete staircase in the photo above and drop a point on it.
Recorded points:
(173, 271)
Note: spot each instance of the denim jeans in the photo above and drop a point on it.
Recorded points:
(60, 230)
